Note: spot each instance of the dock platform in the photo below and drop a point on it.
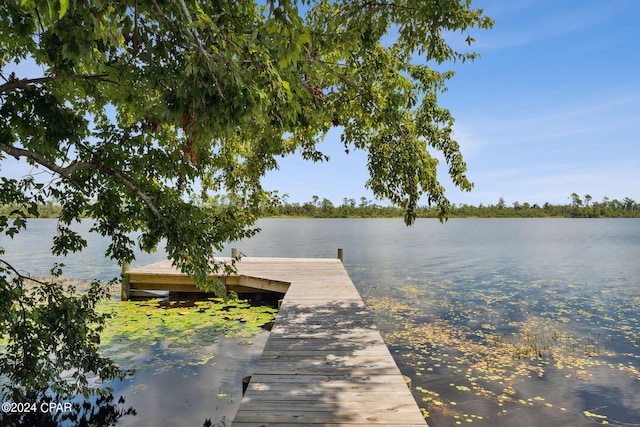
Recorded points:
(324, 362)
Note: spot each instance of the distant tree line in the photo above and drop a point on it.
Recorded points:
(576, 207)
(49, 209)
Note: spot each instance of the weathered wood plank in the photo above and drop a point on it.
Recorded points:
(366, 400)
(294, 423)
(264, 284)
(312, 406)
(388, 386)
(353, 407)
(359, 415)
(325, 362)
(323, 379)
(313, 353)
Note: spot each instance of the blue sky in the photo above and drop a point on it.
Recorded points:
(552, 107)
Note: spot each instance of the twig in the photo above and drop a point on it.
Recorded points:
(200, 45)
(13, 84)
(21, 276)
(66, 172)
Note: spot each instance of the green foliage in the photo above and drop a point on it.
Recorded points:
(142, 105)
(50, 339)
(139, 103)
(179, 328)
(350, 208)
(628, 208)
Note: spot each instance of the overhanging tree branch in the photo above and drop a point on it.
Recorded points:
(235, 72)
(15, 83)
(64, 172)
(18, 274)
(200, 45)
(67, 171)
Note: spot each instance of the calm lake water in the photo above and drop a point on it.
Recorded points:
(498, 321)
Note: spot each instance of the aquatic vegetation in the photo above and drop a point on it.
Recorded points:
(478, 351)
(153, 334)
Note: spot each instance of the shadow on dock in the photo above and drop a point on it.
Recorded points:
(327, 364)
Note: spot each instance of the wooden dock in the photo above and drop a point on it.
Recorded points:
(162, 276)
(325, 362)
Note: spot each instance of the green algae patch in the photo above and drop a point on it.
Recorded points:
(504, 350)
(141, 334)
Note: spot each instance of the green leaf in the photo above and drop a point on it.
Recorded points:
(136, 109)
(64, 6)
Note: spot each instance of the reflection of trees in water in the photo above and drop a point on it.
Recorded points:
(494, 350)
(104, 411)
(209, 423)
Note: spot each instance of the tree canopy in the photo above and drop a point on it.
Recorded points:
(140, 104)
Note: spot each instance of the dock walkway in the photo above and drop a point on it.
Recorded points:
(325, 362)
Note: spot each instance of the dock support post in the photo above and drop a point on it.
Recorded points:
(234, 252)
(125, 285)
(407, 381)
(341, 255)
(245, 383)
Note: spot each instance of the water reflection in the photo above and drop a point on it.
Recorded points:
(99, 411)
(186, 394)
(509, 343)
(499, 322)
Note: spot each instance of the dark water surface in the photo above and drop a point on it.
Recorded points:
(499, 322)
